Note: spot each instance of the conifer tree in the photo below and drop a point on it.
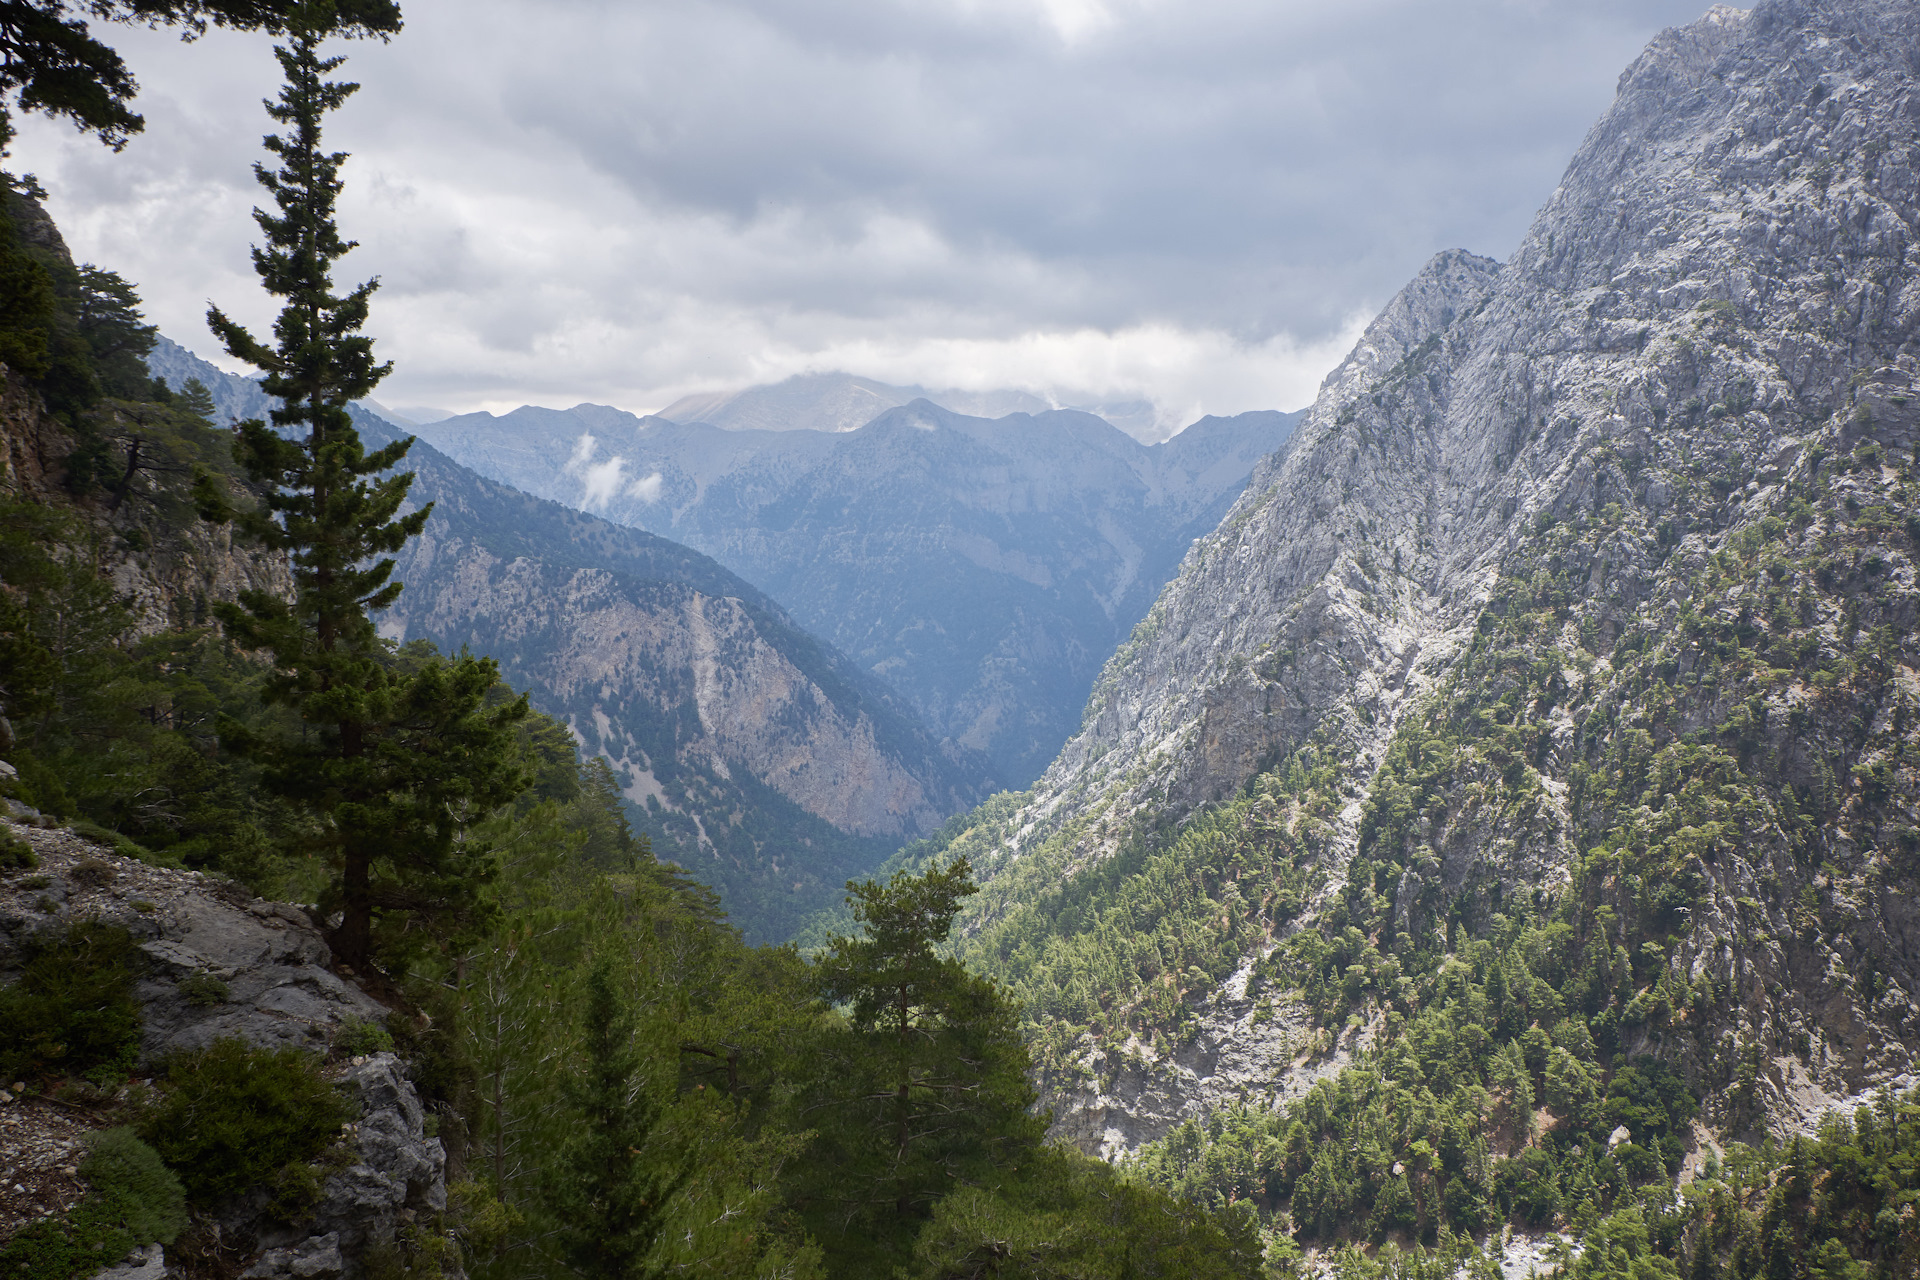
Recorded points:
(609, 1193)
(928, 1090)
(392, 762)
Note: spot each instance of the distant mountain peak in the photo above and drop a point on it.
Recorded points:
(835, 402)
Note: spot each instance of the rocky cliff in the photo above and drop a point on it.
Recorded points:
(166, 570)
(1587, 573)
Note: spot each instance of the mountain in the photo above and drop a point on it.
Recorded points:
(983, 568)
(1541, 726)
(751, 753)
(843, 402)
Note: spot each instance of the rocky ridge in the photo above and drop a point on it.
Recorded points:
(1713, 319)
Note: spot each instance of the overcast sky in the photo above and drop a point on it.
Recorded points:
(1197, 201)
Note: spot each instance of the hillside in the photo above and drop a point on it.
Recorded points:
(1539, 727)
(983, 568)
(751, 753)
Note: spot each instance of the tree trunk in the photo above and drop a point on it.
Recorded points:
(352, 942)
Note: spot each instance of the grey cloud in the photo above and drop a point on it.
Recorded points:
(613, 201)
(1220, 162)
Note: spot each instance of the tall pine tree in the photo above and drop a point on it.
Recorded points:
(609, 1189)
(394, 760)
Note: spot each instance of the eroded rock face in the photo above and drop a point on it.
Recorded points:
(1721, 292)
(225, 964)
(612, 651)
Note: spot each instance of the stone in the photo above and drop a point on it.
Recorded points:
(148, 1262)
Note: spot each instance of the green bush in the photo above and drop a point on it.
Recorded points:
(16, 854)
(134, 1201)
(233, 1117)
(203, 990)
(73, 1012)
(129, 1173)
(119, 844)
(358, 1036)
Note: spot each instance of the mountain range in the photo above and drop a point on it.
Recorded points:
(845, 402)
(983, 568)
(761, 759)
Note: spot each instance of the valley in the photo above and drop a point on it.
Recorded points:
(1467, 827)
(984, 568)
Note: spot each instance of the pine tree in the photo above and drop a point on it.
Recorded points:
(609, 1193)
(927, 1090)
(393, 759)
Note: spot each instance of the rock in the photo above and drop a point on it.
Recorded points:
(1618, 1136)
(398, 1172)
(308, 1259)
(148, 1262)
(8, 773)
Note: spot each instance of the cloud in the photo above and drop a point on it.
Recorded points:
(596, 200)
(599, 481)
(647, 489)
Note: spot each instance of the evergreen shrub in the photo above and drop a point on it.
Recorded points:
(135, 1200)
(73, 1011)
(233, 1117)
(16, 854)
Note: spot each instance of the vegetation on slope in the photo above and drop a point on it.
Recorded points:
(1710, 768)
(1588, 876)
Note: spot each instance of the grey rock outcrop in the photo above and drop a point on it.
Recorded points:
(1722, 291)
(225, 964)
(397, 1179)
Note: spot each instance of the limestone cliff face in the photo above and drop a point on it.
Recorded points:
(167, 572)
(1714, 318)
(615, 652)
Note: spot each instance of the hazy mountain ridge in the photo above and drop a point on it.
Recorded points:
(984, 568)
(1646, 488)
(754, 754)
(844, 402)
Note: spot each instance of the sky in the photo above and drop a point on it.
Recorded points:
(1195, 202)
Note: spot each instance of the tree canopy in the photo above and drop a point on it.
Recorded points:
(51, 62)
